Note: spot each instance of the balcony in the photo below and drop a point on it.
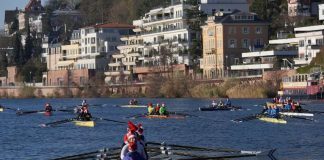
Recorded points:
(163, 30)
(117, 73)
(251, 66)
(116, 64)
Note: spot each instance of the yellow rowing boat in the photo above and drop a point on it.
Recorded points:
(84, 123)
(273, 120)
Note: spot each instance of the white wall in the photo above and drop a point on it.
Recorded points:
(321, 11)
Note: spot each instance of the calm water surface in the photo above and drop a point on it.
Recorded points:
(22, 138)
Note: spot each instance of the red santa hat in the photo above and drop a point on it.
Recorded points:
(131, 126)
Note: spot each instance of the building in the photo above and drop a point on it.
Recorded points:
(212, 6)
(122, 63)
(98, 43)
(310, 41)
(321, 12)
(226, 37)
(303, 8)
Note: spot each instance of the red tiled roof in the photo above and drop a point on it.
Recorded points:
(112, 25)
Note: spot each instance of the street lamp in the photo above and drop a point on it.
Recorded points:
(226, 65)
(30, 78)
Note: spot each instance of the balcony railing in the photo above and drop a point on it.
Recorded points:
(163, 30)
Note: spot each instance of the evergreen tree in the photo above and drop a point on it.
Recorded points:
(17, 57)
(28, 44)
(260, 8)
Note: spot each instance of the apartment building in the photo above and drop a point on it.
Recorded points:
(226, 37)
(123, 62)
(299, 8)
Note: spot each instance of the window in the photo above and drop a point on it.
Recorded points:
(231, 43)
(245, 30)
(319, 41)
(258, 43)
(231, 30)
(236, 61)
(86, 50)
(301, 43)
(309, 42)
(245, 43)
(93, 49)
(258, 30)
(93, 40)
(323, 12)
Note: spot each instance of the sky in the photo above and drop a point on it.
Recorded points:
(11, 5)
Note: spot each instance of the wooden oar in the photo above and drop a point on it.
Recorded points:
(248, 118)
(19, 113)
(196, 148)
(13, 109)
(137, 115)
(303, 118)
(57, 122)
(92, 154)
(109, 120)
(191, 115)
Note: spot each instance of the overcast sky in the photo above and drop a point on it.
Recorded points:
(11, 5)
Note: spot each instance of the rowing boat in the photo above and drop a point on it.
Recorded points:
(84, 123)
(172, 116)
(296, 114)
(1, 109)
(218, 109)
(272, 120)
(133, 106)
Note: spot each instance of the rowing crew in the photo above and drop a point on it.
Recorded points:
(157, 110)
(220, 104)
(134, 143)
(273, 110)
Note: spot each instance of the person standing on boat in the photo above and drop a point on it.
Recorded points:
(133, 150)
(163, 110)
(48, 108)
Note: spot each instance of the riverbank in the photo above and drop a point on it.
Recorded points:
(178, 87)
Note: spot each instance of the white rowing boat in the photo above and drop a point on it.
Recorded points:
(296, 114)
(133, 106)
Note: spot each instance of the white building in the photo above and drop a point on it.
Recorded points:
(310, 40)
(98, 42)
(165, 27)
(122, 63)
(213, 6)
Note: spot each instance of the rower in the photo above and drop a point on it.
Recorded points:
(131, 130)
(150, 109)
(214, 104)
(228, 103)
(264, 110)
(85, 115)
(157, 109)
(163, 110)
(220, 104)
(133, 150)
(48, 108)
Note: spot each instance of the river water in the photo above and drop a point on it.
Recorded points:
(21, 137)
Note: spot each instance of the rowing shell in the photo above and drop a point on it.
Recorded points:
(84, 123)
(273, 120)
(133, 106)
(296, 114)
(166, 116)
